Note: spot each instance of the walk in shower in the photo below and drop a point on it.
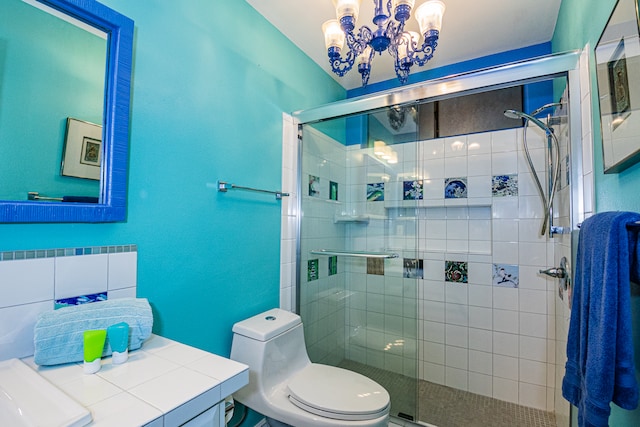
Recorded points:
(419, 247)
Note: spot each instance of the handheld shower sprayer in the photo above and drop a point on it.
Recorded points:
(553, 148)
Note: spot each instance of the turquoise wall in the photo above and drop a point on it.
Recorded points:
(581, 22)
(210, 83)
(55, 70)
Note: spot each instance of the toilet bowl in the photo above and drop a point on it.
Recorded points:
(285, 386)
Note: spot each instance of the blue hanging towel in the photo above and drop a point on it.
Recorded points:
(600, 366)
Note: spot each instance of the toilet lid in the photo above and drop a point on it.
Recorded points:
(337, 393)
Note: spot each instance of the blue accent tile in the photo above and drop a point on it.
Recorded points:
(455, 188)
(456, 272)
(506, 276)
(504, 185)
(413, 268)
(312, 270)
(412, 190)
(82, 299)
(314, 186)
(375, 192)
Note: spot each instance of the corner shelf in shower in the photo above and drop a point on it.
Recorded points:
(351, 219)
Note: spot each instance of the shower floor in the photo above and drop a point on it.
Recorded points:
(444, 406)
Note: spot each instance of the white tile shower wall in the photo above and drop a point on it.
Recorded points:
(473, 336)
(289, 211)
(500, 338)
(322, 296)
(29, 286)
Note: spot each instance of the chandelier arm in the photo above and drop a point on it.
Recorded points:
(341, 66)
(402, 73)
(359, 43)
(425, 53)
(356, 44)
(402, 66)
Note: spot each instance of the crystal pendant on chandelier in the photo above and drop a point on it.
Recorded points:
(406, 47)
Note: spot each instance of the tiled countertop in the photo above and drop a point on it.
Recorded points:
(163, 378)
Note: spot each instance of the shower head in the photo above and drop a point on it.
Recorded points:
(544, 107)
(515, 114)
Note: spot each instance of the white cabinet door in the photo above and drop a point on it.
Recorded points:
(212, 417)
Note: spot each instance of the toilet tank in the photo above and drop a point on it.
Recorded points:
(272, 345)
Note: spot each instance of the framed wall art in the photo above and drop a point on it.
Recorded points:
(618, 74)
(82, 150)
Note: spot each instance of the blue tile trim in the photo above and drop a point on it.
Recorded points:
(82, 299)
(62, 252)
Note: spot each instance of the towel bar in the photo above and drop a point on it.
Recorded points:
(224, 186)
(34, 195)
(360, 254)
(634, 226)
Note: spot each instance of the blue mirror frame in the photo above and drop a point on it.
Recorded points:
(112, 205)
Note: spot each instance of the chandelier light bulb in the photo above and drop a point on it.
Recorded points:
(333, 34)
(347, 8)
(429, 16)
(402, 9)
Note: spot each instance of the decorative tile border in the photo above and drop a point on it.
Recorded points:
(506, 276)
(456, 272)
(64, 252)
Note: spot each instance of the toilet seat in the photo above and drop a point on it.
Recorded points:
(337, 393)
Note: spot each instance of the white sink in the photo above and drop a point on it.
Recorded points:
(29, 400)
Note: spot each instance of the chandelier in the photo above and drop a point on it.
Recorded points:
(389, 34)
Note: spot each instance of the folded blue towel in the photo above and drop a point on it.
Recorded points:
(600, 365)
(58, 334)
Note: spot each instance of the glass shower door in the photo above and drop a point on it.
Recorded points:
(359, 268)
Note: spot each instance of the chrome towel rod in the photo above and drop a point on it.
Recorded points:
(34, 195)
(360, 254)
(224, 186)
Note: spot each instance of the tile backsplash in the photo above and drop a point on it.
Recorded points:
(35, 281)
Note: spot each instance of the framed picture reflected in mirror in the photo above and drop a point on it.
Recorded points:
(82, 150)
(617, 56)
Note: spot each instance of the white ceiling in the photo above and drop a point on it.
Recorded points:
(470, 29)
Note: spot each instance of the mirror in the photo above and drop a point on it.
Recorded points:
(618, 73)
(65, 133)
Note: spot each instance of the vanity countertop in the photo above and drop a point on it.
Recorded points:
(164, 378)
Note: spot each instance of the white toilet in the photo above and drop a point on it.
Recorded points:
(285, 386)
